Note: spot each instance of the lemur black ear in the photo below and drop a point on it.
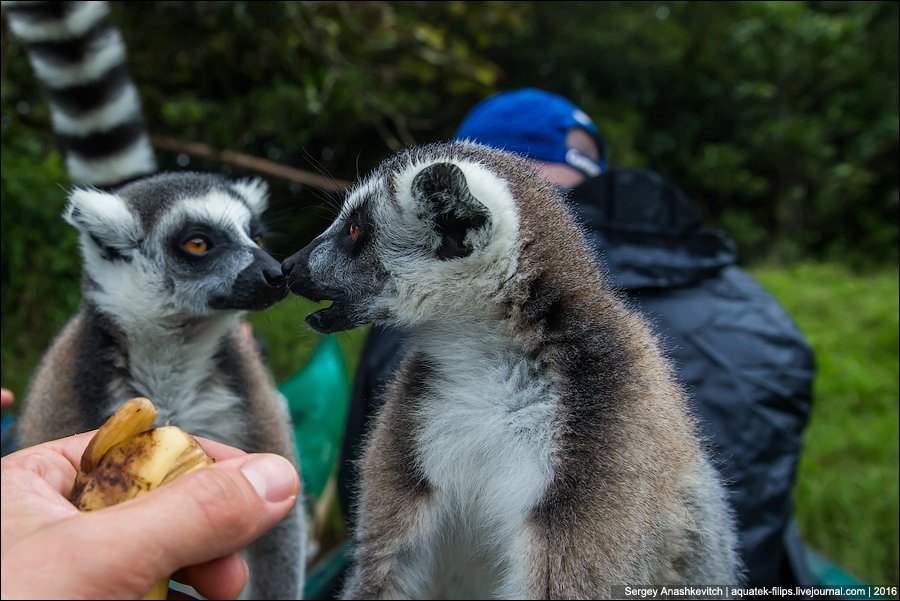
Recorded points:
(444, 198)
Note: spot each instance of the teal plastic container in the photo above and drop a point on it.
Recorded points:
(318, 398)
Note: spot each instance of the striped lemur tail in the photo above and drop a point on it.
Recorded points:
(79, 58)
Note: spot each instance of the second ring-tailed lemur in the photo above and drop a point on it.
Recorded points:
(170, 263)
(534, 443)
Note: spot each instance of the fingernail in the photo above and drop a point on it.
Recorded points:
(272, 477)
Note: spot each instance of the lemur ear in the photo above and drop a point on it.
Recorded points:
(443, 197)
(106, 220)
(255, 191)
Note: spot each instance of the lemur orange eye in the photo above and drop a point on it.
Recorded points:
(354, 231)
(259, 241)
(196, 245)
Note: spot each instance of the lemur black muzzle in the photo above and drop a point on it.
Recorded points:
(256, 288)
(299, 280)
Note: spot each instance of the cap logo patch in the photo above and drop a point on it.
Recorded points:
(582, 162)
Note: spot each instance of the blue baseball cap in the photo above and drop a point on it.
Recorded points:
(533, 123)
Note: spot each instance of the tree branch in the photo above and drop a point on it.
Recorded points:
(246, 161)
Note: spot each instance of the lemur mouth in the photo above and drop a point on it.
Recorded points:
(335, 318)
(330, 320)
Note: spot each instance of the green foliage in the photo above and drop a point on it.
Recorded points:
(779, 118)
(289, 342)
(847, 491)
(39, 263)
(330, 86)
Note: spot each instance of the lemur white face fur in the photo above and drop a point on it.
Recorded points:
(428, 235)
(174, 247)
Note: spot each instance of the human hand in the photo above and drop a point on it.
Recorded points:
(192, 527)
(6, 398)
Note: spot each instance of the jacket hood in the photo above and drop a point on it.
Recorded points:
(649, 234)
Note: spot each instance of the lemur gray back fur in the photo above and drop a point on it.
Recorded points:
(534, 443)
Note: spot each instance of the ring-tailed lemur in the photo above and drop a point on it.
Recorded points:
(170, 263)
(534, 443)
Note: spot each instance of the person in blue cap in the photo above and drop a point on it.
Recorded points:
(747, 366)
(544, 127)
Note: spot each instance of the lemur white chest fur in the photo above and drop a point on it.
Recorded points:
(176, 367)
(488, 435)
(488, 425)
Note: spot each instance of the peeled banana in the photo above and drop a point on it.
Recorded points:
(125, 459)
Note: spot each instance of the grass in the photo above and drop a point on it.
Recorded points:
(846, 496)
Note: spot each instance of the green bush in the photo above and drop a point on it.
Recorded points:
(40, 261)
(289, 342)
(779, 118)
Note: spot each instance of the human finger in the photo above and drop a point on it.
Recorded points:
(37, 480)
(35, 485)
(220, 578)
(72, 448)
(219, 451)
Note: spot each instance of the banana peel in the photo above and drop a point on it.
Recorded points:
(126, 459)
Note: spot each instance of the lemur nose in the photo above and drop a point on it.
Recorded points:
(287, 266)
(275, 277)
(297, 265)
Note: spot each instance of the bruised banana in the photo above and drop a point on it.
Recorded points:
(125, 459)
